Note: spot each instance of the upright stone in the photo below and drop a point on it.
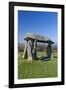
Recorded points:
(29, 50)
(35, 50)
(25, 50)
(32, 47)
(49, 50)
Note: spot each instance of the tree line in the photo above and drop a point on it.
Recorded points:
(40, 47)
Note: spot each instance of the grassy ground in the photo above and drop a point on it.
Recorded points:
(36, 69)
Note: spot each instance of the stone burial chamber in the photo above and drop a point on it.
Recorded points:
(30, 50)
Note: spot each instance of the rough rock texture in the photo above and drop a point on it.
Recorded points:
(30, 50)
(38, 38)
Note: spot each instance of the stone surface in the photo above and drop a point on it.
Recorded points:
(38, 38)
(25, 51)
(34, 51)
(30, 50)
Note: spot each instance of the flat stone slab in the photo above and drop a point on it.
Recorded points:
(39, 38)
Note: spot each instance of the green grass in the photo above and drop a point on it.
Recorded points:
(37, 68)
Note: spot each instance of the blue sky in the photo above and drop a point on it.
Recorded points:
(42, 23)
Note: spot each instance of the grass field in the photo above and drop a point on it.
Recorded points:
(37, 68)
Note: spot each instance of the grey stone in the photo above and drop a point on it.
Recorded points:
(30, 50)
(38, 38)
(49, 52)
(25, 50)
(35, 50)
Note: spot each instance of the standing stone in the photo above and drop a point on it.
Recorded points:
(35, 50)
(29, 50)
(25, 50)
(32, 47)
(49, 50)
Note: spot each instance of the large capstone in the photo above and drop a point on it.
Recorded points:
(39, 38)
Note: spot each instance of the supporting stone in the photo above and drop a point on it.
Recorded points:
(49, 50)
(29, 51)
(32, 47)
(25, 50)
(35, 50)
